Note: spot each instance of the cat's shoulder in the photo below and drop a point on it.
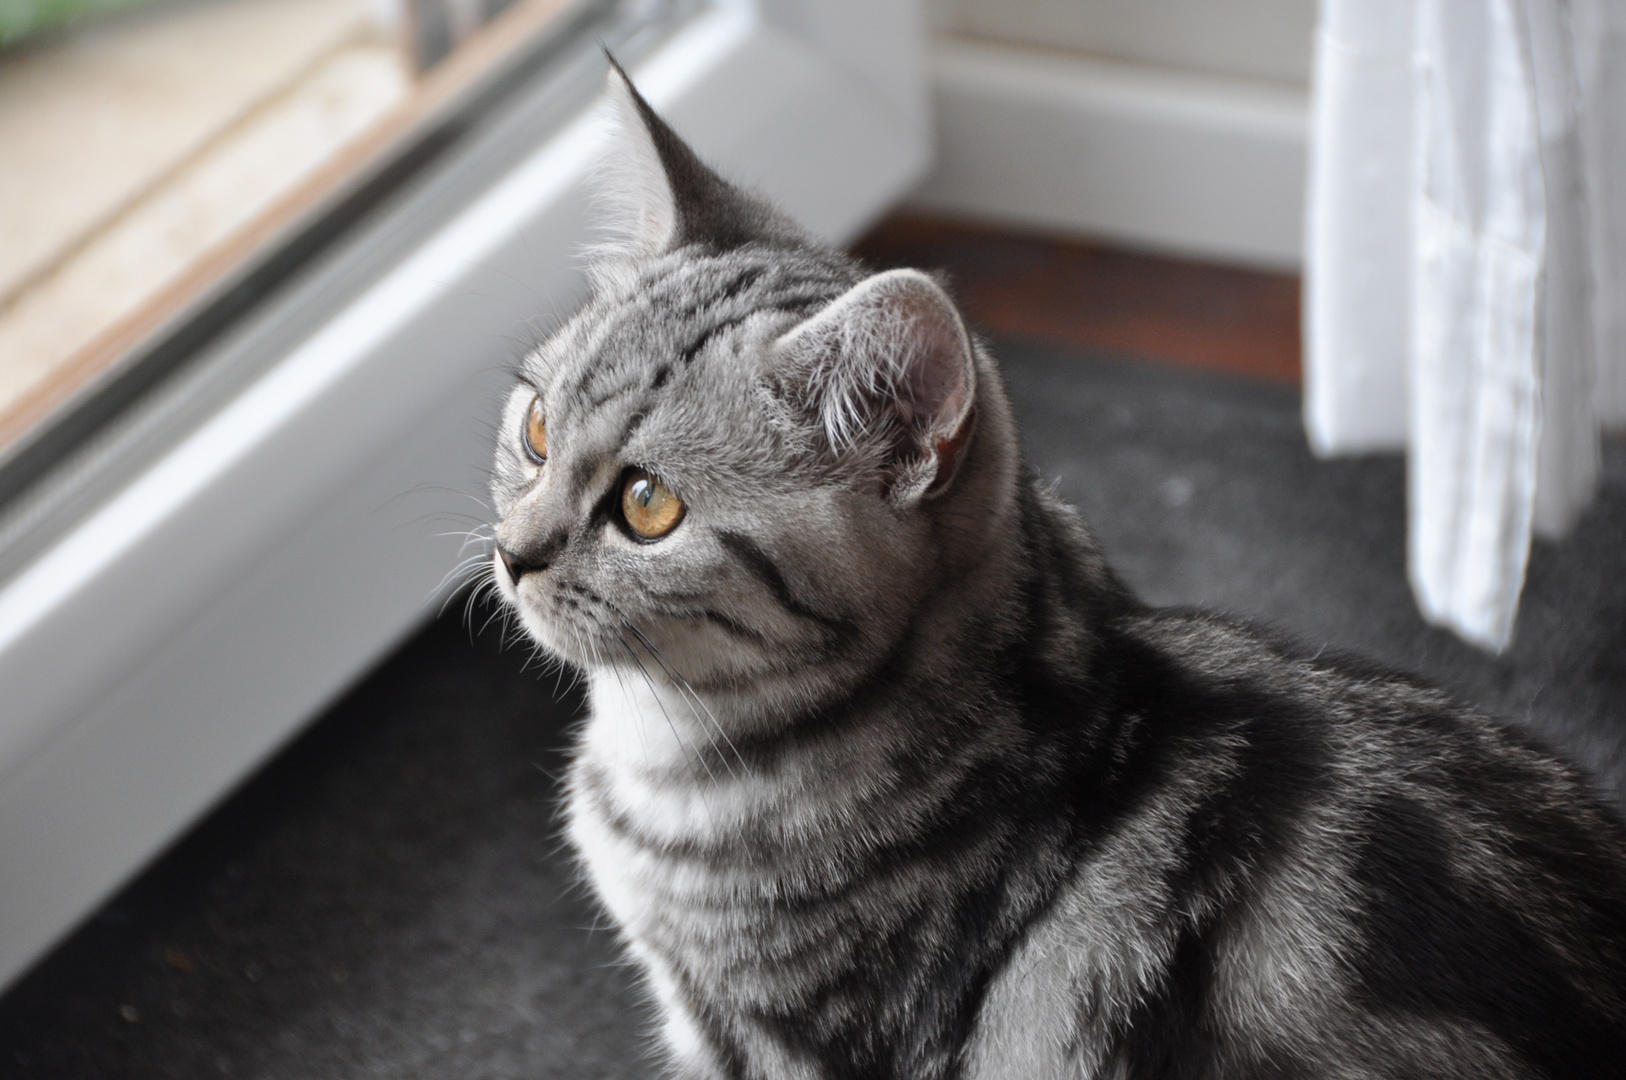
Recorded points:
(1346, 711)
(1192, 650)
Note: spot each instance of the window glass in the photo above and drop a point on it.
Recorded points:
(148, 153)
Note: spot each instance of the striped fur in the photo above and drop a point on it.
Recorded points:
(888, 776)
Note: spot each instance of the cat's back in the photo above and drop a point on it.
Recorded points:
(1304, 865)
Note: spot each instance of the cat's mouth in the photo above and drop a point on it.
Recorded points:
(568, 620)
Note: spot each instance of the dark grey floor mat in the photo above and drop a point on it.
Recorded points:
(386, 899)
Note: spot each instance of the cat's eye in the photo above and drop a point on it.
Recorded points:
(536, 432)
(649, 506)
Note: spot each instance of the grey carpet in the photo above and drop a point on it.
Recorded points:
(385, 899)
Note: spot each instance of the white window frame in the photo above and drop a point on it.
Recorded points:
(190, 624)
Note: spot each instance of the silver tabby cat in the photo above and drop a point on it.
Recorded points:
(888, 776)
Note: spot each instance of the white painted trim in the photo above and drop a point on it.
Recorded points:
(1201, 165)
(191, 624)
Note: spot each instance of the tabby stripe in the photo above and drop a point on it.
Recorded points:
(963, 829)
(616, 390)
(738, 629)
(634, 422)
(700, 614)
(688, 355)
(798, 303)
(744, 280)
(754, 559)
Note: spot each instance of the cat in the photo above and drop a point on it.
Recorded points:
(886, 773)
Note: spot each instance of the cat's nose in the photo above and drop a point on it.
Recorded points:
(516, 564)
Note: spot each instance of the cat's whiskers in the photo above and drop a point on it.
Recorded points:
(468, 606)
(481, 534)
(474, 570)
(632, 703)
(499, 609)
(683, 685)
(654, 692)
(687, 688)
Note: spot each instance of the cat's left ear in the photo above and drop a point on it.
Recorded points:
(888, 367)
(655, 194)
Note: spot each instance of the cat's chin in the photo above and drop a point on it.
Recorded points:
(581, 646)
(553, 631)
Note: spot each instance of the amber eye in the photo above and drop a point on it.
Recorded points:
(649, 506)
(536, 432)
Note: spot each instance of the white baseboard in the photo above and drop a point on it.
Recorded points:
(1199, 165)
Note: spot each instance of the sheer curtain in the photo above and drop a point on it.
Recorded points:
(1465, 279)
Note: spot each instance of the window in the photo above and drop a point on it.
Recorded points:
(319, 154)
(156, 157)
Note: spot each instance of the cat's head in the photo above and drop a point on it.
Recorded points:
(744, 458)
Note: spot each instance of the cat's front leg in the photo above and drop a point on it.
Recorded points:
(690, 1053)
(724, 1048)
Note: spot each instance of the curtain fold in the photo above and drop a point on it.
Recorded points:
(1356, 280)
(1599, 31)
(1463, 282)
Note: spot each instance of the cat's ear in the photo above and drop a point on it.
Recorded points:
(888, 368)
(655, 194)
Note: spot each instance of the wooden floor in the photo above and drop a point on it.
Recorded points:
(1084, 295)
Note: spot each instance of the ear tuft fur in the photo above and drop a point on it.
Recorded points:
(888, 368)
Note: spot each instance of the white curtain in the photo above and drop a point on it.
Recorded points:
(1465, 276)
